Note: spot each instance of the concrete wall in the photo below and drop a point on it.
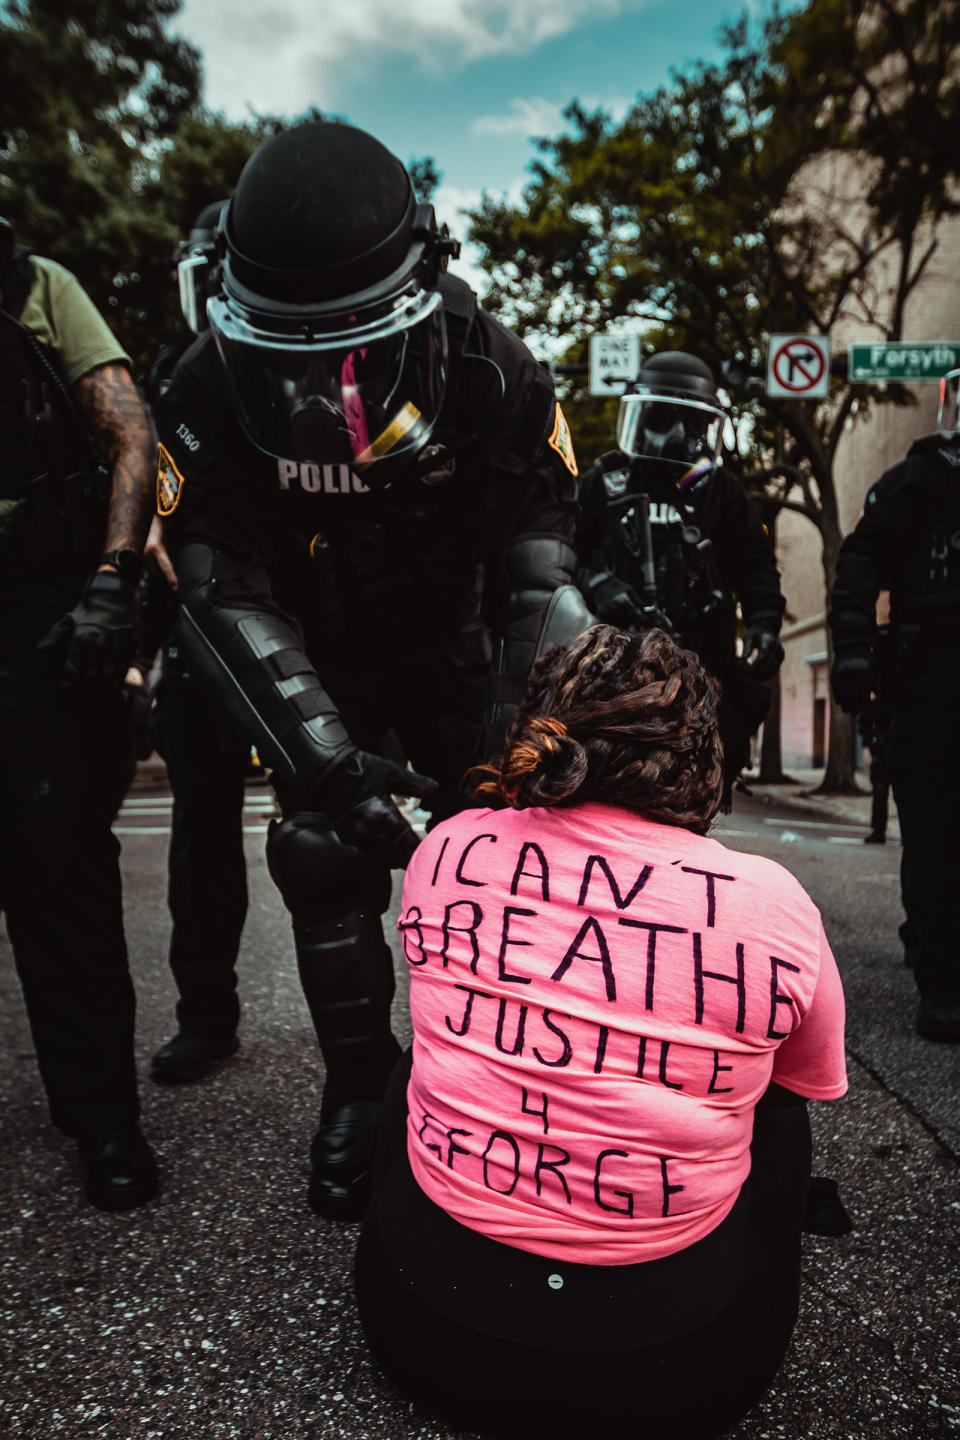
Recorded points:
(870, 445)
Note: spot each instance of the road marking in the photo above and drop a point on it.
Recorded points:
(157, 804)
(844, 840)
(124, 814)
(165, 829)
(818, 824)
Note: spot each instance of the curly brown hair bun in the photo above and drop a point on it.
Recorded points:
(621, 718)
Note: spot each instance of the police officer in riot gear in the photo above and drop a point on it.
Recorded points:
(908, 541)
(667, 536)
(75, 473)
(370, 490)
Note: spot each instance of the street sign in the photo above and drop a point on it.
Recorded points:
(798, 367)
(904, 360)
(614, 362)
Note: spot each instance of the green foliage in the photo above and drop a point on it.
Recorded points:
(90, 99)
(425, 176)
(694, 221)
(715, 215)
(107, 153)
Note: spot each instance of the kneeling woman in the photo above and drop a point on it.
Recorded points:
(594, 1162)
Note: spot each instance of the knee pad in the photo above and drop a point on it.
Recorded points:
(316, 872)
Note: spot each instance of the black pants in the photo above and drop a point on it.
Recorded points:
(482, 1335)
(926, 787)
(207, 889)
(64, 765)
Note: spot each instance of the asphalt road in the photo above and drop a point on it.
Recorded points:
(225, 1308)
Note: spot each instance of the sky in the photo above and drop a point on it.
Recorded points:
(466, 81)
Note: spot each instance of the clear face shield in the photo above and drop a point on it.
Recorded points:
(349, 388)
(676, 430)
(194, 274)
(948, 414)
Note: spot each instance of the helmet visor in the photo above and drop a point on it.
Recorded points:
(683, 433)
(193, 276)
(353, 389)
(948, 416)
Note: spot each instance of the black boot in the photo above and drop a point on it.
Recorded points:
(120, 1168)
(342, 1156)
(938, 1018)
(190, 1056)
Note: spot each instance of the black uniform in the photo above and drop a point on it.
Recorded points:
(321, 612)
(206, 764)
(65, 751)
(708, 549)
(908, 541)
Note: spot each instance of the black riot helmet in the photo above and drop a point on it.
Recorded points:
(671, 413)
(329, 319)
(196, 262)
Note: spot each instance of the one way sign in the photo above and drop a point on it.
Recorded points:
(614, 362)
(798, 367)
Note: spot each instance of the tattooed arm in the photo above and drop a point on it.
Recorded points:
(97, 637)
(118, 426)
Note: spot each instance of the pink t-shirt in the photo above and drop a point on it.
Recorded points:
(598, 1002)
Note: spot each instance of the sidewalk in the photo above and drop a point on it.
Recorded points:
(844, 809)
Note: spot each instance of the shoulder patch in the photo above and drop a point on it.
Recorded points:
(561, 441)
(169, 482)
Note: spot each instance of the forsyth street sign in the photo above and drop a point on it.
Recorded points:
(902, 360)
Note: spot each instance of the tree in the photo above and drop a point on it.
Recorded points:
(425, 176)
(791, 188)
(91, 95)
(107, 153)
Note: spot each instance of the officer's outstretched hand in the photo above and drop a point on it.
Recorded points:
(613, 600)
(764, 645)
(98, 636)
(851, 680)
(357, 796)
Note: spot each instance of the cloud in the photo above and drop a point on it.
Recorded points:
(543, 117)
(450, 201)
(292, 53)
(525, 117)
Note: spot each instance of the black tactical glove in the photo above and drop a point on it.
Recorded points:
(98, 635)
(611, 599)
(769, 651)
(356, 796)
(851, 679)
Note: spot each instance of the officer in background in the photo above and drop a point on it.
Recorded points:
(369, 491)
(666, 536)
(71, 529)
(206, 766)
(908, 541)
(195, 263)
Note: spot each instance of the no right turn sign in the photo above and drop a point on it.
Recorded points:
(798, 367)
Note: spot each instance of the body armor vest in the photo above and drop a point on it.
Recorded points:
(47, 469)
(39, 434)
(689, 590)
